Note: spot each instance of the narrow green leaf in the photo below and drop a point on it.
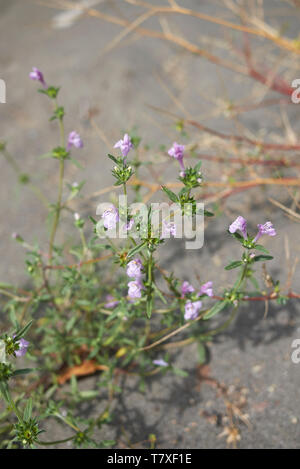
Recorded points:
(261, 248)
(172, 196)
(28, 410)
(76, 163)
(237, 236)
(149, 307)
(136, 249)
(233, 265)
(5, 391)
(23, 371)
(113, 158)
(262, 258)
(23, 331)
(93, 220)
(215, 309)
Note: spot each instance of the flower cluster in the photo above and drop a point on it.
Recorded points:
(110, 217)
(177, 152)
(74, 140)
(168, 229)
(191, 177)
(193, 305)
(134, 270)
(122, 174)
(240, 224)
(125, 145)
(37, 75)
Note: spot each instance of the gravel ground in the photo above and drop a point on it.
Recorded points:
(252, 358)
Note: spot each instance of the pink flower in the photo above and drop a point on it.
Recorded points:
(186, 287)
(160, 362)
(134, 269)
(74, 140)
(36, 74)
(168, 229)
(111, 302)
(267, 229)
(206, 289)
(128, 225)
(23, 346)
(239, 224)
(125, 145)
(177, 151)
(110, 217)
(135, 289)
(192, 310)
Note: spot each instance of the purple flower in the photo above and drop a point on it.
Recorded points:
(36, 74)
(160, 362)
(128, 225)
(110, 217)
(134, 268)
(135, 289)
(206, 289)
(239, 224)
(267, 229)
(125, 145)
(186, 287)
(168, 229)
(192, 310)
(74, 140)
(23, 346)
(177, 151)
(111, 302)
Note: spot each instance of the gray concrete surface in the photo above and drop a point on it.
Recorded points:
(253, 357)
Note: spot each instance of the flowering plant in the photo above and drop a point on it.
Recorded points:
(76, 323)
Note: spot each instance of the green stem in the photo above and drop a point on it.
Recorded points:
(57, 442)
(82, 237)
(58, 208)
(60, 190)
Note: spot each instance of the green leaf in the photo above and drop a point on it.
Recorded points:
(113, 158)
(172, 196)
(70, 323)
(90, 394)
(23, 331)
(4, 389)
(215, 309)
(24, 371)
(262, 258)
(233, 265)
(261, 248)
(45, 155)
(198, 166)
(93, 220)
(201, 353)
(28, 410)
(159, 294)
(149, 305)
(237, 236)
(136, 249)
(179, 372)
(76, 163)
(208, 214)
